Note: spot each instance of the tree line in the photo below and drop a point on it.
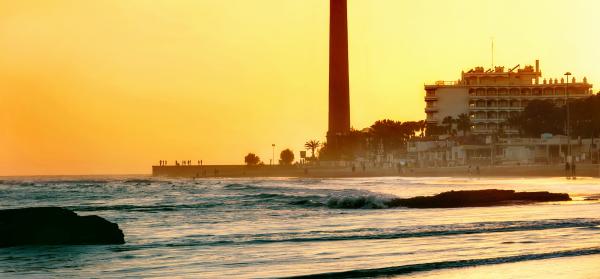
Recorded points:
(538, 117)
(286, 157)
(383, 135)
(541, 116)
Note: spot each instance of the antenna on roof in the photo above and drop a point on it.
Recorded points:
(492, 38)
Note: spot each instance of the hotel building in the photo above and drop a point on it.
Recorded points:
(491, 96)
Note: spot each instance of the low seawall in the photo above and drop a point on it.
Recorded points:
(588, 170)
(226, 171)
(264, 171)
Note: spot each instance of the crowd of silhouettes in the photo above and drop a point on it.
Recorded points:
(177, 163)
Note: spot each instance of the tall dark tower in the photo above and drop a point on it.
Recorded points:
(339, 95)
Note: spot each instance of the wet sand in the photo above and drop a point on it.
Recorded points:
(555, 268)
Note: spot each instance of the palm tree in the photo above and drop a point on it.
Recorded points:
(448, 121)
(422, 124)
(388, 133)
(312, 145)
(409, 129)
(515, 122)
(463, 123)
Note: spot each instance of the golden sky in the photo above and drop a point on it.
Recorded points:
(113, 86)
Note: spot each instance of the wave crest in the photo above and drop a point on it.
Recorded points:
(359, 200)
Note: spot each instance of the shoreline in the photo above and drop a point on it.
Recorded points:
(578, 266)
(225, 171)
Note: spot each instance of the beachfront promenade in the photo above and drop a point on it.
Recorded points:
(191, 171)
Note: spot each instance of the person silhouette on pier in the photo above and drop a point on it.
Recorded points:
(567, 170)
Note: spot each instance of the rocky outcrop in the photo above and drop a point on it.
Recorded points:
(473, 198)
(55, 226)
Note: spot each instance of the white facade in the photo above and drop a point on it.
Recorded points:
(447, 101)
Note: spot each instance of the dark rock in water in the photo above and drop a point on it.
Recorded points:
(55, 226)
(473, 198)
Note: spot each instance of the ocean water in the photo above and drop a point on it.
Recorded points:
(281, 227)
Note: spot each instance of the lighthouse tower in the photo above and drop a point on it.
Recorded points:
(339, 93)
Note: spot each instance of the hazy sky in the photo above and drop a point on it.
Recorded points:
(113, 86)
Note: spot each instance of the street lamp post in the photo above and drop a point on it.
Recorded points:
(273, 154)
(568, 128)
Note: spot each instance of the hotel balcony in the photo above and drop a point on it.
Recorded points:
(528, 97)
(432, 120)
(496, 108)
(488, 120)
(431, 109)
(530, 92)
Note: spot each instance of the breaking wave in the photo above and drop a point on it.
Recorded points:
(359, 200)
